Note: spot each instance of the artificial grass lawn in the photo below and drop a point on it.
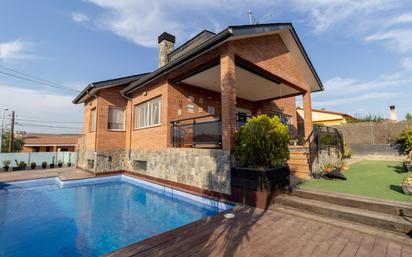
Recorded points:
(379, 179)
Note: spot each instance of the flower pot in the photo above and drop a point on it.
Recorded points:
(258, 187)
(44, 166)
(52, 165)
(18, 168)
(407, 189)
(69, 164)
(6, 168)
(60, 164)
(33, 167)
(408, 166)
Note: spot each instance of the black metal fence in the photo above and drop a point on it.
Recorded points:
(203, 131)
(325, 138)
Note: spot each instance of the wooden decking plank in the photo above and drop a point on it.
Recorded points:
(394, 250)
(204, 231)
(221, 238)
(366, 246)
(379, 248)
(302, 241)
(339, 244)
(324, 245)
(353, 245)
(317, 238)
(152, 242)
(298, 229)
(406, 251)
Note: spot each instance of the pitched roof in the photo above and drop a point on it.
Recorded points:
(217, 39)
(92, 88)
(50, 139)
(330, 112)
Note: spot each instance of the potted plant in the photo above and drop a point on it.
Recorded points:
(347, 151)
(44, 164)
(52, 163)
(60, 163)
(33, 165)
(343, 165)
(20, 165)
(6, 165)
(330, 171)
(69, 164)
(408, 162)
(407, 185)
(261, 168)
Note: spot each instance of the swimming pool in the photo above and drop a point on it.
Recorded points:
(91, 217)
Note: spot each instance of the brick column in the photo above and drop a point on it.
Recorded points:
(228, 98)
(307, 119)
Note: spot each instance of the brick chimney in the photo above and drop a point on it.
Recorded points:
(392, 111)
(166, 45)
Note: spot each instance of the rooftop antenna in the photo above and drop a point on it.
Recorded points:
(253, 20)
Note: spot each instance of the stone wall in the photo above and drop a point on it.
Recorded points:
(203, 168)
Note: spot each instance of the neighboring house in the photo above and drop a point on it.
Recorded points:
(176, 125)
(38, 142)
(325, 117)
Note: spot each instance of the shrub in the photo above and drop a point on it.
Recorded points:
(347, 151)
(407, 181)
(6, 163)
(405, 140)
(328, 167)
(262, 143)
(21, 164)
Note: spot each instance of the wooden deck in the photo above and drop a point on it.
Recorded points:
(255, 232)
(66, 173)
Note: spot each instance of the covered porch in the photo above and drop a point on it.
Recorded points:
(242, 89)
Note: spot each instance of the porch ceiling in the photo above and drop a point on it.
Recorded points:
(249, 85)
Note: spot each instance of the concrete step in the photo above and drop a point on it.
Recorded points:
(375, 219)
(401, 238)
(360, 202)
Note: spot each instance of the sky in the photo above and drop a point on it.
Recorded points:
(361, 49)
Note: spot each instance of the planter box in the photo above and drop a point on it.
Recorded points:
(408, 167)
(407, 189)
(258, 188)
(18, 169)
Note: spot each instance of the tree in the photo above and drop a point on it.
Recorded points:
(408, 116)
(18, 143)
(367, 118)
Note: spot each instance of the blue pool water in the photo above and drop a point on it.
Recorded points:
(44, 218)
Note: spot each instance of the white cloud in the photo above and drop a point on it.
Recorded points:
(41, 105)
(399, 40)
(324, 14)
(80, 17)
(354, 99)
(407, 63)
(13, 50)
(401, 19)
(143, 21)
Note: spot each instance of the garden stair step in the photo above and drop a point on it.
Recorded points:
(361, 202)
(373, 231)
(362, 216)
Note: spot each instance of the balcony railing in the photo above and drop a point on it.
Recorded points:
(203, 131)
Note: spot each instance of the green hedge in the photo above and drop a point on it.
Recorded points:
(262, 143)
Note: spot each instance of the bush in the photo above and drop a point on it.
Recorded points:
(21, 164)
(405, 140)
(262, 143)
(6, 163)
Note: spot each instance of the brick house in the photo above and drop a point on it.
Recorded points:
(41, 142)
(176, 125)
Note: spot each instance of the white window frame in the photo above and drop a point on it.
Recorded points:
(149, 114)
(92, 127)
(124, 118)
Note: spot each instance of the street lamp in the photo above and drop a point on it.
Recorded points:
(5, 109)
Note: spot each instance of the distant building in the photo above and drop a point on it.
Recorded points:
(38, 142)
(325, 117)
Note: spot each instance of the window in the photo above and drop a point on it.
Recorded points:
(116, 118)
(93, 120)
(148, 113)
